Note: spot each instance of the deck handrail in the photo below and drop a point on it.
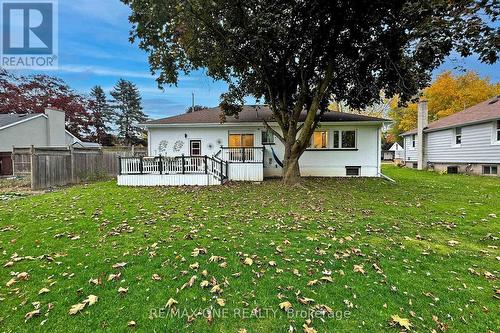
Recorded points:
(158, 165)
(243, 154)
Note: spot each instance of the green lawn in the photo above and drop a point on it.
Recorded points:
(363, 250)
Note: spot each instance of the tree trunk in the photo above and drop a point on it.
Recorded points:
(291, 170)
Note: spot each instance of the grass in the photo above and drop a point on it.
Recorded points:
(424, 249)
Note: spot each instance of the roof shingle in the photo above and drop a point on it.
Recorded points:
(9, 119)
(485, 111)
(250, 114)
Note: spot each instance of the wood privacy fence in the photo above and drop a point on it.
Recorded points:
(59, 166)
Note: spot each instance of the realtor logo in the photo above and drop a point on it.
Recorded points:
(29, 34)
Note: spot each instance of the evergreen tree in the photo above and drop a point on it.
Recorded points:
(102, 115)
(127, 103)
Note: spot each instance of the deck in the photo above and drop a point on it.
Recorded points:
(229, 164)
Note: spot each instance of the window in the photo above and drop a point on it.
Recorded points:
(452, 170)
(352, 170)
(490, 170)
(319, 140)
(414, 140)
(344, 139)
(240, 140)
(267, 138)
(348, 139)
(458, 136)
(195, 147)
(498, 130)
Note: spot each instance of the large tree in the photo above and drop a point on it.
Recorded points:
(34, 93)
(127, 103)
(448, 94)
(298, 55)
(102, 115)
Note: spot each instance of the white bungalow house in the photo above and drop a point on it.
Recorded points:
(25, 130)
(199, 148)
(465, 142)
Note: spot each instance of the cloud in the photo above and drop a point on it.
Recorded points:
(112, 12)
(103, 71)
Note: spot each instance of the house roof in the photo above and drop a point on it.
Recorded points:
(250, 114)
(485, 111)
(7, 120)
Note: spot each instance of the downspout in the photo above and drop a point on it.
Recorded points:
(379, 162)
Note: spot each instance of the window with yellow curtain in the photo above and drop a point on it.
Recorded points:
(240, 140)
(319, 140)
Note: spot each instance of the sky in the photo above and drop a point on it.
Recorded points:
(94, 49)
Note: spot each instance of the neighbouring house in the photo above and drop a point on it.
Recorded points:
(394, 153)
(465, 142)
(25, 130)
(199, 148)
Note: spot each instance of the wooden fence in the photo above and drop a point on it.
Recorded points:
(59, 166)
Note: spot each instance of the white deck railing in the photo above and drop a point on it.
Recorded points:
(161, 165)
(243, 154)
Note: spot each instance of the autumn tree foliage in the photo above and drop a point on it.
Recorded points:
(34, 93)
(449, 93)
(298, 56)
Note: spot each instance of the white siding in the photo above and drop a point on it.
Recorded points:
(410, 151)
(477, 145)
(313, 163)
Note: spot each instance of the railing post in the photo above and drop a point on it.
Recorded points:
(183, 164)
(141, 165)
(221, 177)
(206, 166)
(160, 165)
(243, 152)
(227, 170)
(119, 165)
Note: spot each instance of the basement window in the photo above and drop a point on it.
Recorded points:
(352, 170)
(490, 170)
(452, 170)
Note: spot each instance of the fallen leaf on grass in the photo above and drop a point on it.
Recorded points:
(11, 282)
(285, 305)
(31, 314)
(358, 269)
(305, 300)
(131, 323)
(76, 308)
(114, 276)
(156, 277)
(43, 291)
(402, 322)
(91, 300)
(119, 265)
(122, 290)
(171, 302)
(248, 261)
(221, 301)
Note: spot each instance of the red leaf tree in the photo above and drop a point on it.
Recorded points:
(34, 93)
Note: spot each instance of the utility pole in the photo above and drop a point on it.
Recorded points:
(192, 101)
